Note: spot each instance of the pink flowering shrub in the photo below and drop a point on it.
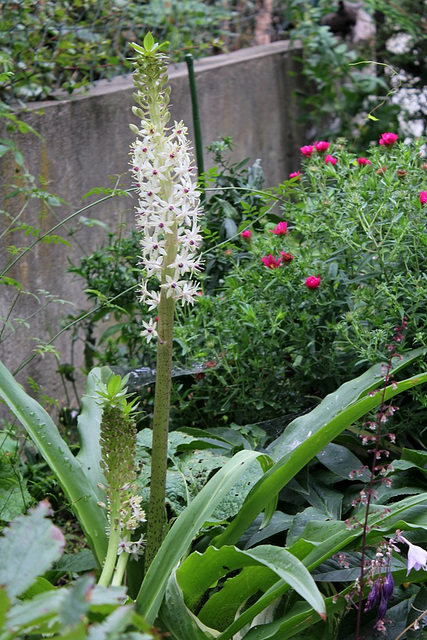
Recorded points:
(324, 296)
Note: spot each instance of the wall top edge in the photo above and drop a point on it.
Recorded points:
(176, 70)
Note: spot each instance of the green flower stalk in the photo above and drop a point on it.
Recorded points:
(166, 215)
(118, 449)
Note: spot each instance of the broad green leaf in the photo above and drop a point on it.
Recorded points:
(340, 460)
(223, 606)
(29, 546)
(14, 495)
(113, 626)
(184, 529)
(40, 585)
(200, 571)
(77, 487)
(306, 436)
(177, 617)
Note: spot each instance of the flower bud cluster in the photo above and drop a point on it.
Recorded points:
(169, 203)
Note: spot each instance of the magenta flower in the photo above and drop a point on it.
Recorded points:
(281, 229)
(322, 145)
(286, 257)
(363, 161)
(307, 150)
(330, 160)
(270, 261)
(295, 174)
(387, 139)
(423, 197)
(246, 234)
(312, 282)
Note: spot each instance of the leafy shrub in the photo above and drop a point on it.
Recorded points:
(265, 342)
(66, 45)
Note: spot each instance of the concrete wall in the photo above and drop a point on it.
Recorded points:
(85, 140)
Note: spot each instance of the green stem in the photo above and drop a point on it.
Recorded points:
(159, 456)
(113, 543)
(120, 570)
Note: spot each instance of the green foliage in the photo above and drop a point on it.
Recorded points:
(265, 344)
(80, 610)
(14, 495)
(337, 95)
(192, 461)
(67, 45)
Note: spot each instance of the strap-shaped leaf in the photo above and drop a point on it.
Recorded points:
(76, 485)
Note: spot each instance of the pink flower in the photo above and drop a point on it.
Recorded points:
(330, 159)
(312, 282)
(423, 197)
(286, 257)
(321, 145)
(270, 261)
(388, 139)
(307, 151)
(295, 174)
(246, 234)
(281, 229)
(363, 161)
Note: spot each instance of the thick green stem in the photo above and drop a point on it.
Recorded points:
(159, 456)
(113, 543)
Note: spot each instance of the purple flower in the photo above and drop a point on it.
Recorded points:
(388, 587)
(373, 596)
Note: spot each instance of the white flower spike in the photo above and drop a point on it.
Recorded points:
(169, 204)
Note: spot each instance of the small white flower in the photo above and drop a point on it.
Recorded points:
(149, 331)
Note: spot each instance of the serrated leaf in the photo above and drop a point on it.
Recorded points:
(29, 547)
(76, 603)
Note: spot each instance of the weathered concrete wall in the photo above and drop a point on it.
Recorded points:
(85, 140)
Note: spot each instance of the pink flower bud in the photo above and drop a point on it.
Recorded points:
(363, 161)
(246, 234)
(322, 145)
(307, 150)
(387, 139)
(330, 160)
(423, 197)
(281, 229)
(312, 282)
(270, 261)
(295, 174)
